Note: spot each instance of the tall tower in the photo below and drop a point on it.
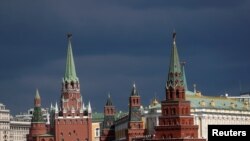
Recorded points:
(38, 126)
(72, 121)
(108, 128)
(135, 124)
(176, 121)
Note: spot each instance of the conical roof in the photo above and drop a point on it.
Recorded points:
(175, 77)
(70, 73)
(109, 101)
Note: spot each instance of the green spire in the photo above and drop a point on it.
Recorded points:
(70, 73)
(184, 76)
(175, 72)
(109, 101)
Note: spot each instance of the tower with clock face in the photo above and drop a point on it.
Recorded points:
(135, 124)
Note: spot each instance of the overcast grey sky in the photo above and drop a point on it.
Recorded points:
(118, 42)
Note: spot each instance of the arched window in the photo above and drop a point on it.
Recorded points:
(72, 84)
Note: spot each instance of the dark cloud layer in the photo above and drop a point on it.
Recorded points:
(118, 42)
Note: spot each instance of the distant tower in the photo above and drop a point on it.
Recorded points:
(72, 122)
(38, 124)
(176, 123)
(135, 124)
(108, 129)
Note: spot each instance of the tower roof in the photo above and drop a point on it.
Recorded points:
(37, 96)
(184, 76)
(134, 91)
(70, 73)
(37, 113)
(175, 77)
(109, 101)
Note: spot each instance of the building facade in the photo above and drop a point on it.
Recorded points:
(4, 123)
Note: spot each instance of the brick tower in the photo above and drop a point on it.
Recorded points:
(176, 123)
(135, 124)
(38, 130)
(108, 128)
(72, 121)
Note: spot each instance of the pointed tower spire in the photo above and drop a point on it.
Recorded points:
(184, 76)
(134, 91)
(56, 108)
(37, 94)
(37, 100)
(109, 101)
(175, 77)
(70, 73)
(83, 106)
(89, 108)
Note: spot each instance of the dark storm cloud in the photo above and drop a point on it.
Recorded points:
(118, 42)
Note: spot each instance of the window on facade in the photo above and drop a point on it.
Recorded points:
(97, 132)
(177, 94)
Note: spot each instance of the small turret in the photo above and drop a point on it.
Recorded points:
(89, 109)
(56, 108)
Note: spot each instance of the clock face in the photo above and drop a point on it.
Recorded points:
(135, 114)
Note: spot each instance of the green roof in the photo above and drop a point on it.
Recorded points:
(216, 102)
(37, 115)
(184, 77)
(175, 76)
(212, 102)
(70, 73)
(99, 117)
